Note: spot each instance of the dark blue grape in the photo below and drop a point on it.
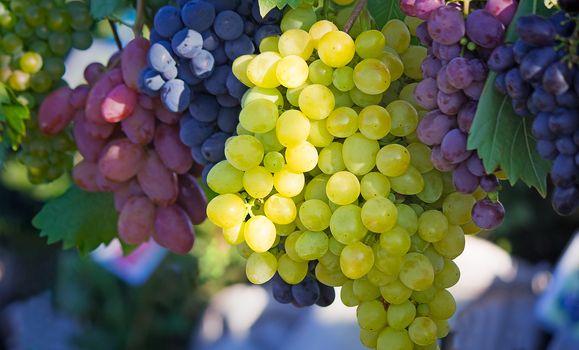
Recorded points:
(546, 149)
(206, 171)
(515, 85)
(210, 40)
(273, 16)
(193, 132)
(563, 121)
(160, 56)
(535, 62)
(540, 128)
(249, 28)
(502, 58)
(155, 37)
(565, 199)
(220, 56)
(215, 83)
(213, 148)
(198, 15)
(568, 99)
(198, 156)
(563, 24)
(222, 5)
(239, 47)
(175, 95)
(184, 73)
(167, 21)
(227, 119)
(520, 49)
(282, 292)
(186, 43)
(532, 107)
(576, 137)
(327, 295)
(564, 171)
(544, 101)
(265, 31)
(227, 101)
(204, 108)
(244, 7)
(170, 73)
(181, 3)
(235, 87)
(520, 107)
(535, 30)
(202, 64)
(307, 292)
(228, 25)
(151, 81)
(565, 145)
(557, 78)
(500, 83)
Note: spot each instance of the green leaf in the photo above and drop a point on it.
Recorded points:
(267, 5)
(293, 3)
(103, 8)
(15, 115)
(384, 10)
(79, 219)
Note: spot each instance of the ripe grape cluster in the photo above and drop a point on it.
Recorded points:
(193, 46)
(323, 187)
(36, 36)
(539, 73)
(130, 146)
(454, 75)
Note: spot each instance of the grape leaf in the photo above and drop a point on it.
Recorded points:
(79, 219)
(502, 138)
(384, 10)
(12, 116)
(267, 5)
(103, 8)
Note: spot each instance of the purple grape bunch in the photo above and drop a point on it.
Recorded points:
(193, 45)
(542, 82)
(454, 73)
(308, 292)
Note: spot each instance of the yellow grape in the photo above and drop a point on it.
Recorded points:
(319, 29)
(224, 178)
(262, 70)
(239, 69)
(319, 135)
(412, 59)
(316, 101)
(343, 188)
(404, 118)
(342, 122)
(315, 215)
(432, 225)
(359, 154)
(343, 78)
(244, 152)
(260, 267)
(356, 260)
(296, 42)
(371, 76)
(374, 184)
(370, 44)
(292, 128)
(316, 188)
(330, 159)
(280, 210)
(409, 183)
(397, 35)
(258, 182)
(374, 122)
(259, 233)
(363, 99)
(288, 183)
(259, 116)
(290, 271)
(393, 160)
(258, 93)
(336, 49)
(320, 73)
(302, 157)
(269, 43)
(235, 235)
(293, 94)
(379, 214)
(226, 210)
(346, 224)
(342, 98)
(390, 339)
(292, 71)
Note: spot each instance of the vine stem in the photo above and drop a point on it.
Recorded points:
(466, 7)
(140, 19)
(355, 14)
(115, 34)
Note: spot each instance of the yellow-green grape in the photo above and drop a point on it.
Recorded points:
(371, 76)
(298, 18)
(442, 329)
(369, 338)
(442, 306)
(296, 42)
(404, 118)
(260, 267)
(290, 271)
(364, 290)
(302, 157)
(241, 131)
(370, 44)
(262, 70)
(343, 78)
(422, 331)
(432, 187)
(343, 188)
(412, 23)
(30, 62)
(374, 122)
(280, 210)
(316, 188)
(452, 245)
(409, 183)
(359, 154)
(420, 157)
(346, 224)
(224, 178)
(260, 233)
(397, 35)
(356, 260)
(330, 159)
(342, 122)
(342, 98)
(269, 141)
(374, 184)
(387, 263)
(244, 152)
(432, 226)
(273, 161)
(379, 278)
(334, 278)
(239, 69)
(418, 244)
(407, 94)
(226, 210)
(292, 71)
(436, 260)
(311, 245)
(315, 215)
(393, 160)
(448, 276)
(457, 207)
(319, 29)
(316, 101)
(235, 235)
(412, 59)
(284, 230)
(392, 339)
(416, 272)
(258, 182)
(363, 99)
(290, 244)
(347, 294)
(335, 246)
(319, 135)
(288, 183)
(19, 80)
(336, 48)
(292, 128)
(40, 82)
(395, 242)
(259, 116)
(293, 94)
(330, 260)
(407, 218)
(269, 43)
(320, 73)
(258, 93)
(470, 228)
(425, 296)
(395, 292)
(379, 214)
(393, 63)
(371, 315)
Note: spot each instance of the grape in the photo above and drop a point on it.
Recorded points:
(504, 10)
(565, 199)
(198, 15)
(260, 267)
(316, 101)
(84, 175)
(281, 290)
(423, 8)
(55, 113)
(306, 293)
(557, 78)
(534, 63)
(156, 180)
(136, 220)
(228, 25)
(487, 214)
(172, 152)
(484, 29)
(516, 86)
(167, 21)
(446, 25)
(433, 127)
(192, 199)
(535, 30)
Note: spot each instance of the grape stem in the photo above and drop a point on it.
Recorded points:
(115, 34)
(355, 14)
(465, 7)
(140, 20)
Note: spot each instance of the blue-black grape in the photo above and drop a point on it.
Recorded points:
(544, 101)
(170, 73)
(565, 145)
(202, 64)
(210, 40)
(562, 23)
(234, 87)
(219, 55)
(223, 5)
(520, 107)
(167, 21)
(557, 78)
(515, 85)
(307, 292)
(244, 7)
(151, 81)
(540, 127)
(228, 25)
(186, 43)
(568, 100)
(213, 149)
(535, 63)
(227, 101)
(266, 31)
(193, 132)
(547, 149)
(228, 118)
(273, 16)
(535, 30)
(198, 156)
(175, 95)
(198, 15)
(327, 295)
(159, 56)
(185, 73)
(500, 83)
(282, 292)
(239, 47)
(502, 58)
(563, 121)
(565, 199)
(204, 108)
(564, 171)
(520, 49)
(489, 183)
(215, 83)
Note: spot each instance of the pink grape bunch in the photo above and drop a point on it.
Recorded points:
(454, 74)
(130, 146)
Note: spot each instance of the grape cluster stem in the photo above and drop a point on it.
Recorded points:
(355, 14)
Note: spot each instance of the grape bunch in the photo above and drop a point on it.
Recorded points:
(193, 46)
(539, 72)
(454, 74)
(36, 36)
(130, 146)
(324, 187)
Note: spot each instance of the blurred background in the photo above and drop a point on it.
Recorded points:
(519, 287)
